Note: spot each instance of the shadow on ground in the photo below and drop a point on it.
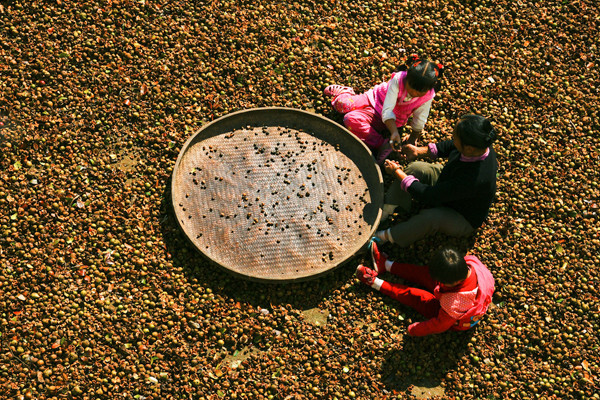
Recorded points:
(421, 364)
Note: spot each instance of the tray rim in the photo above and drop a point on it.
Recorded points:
(255, 278)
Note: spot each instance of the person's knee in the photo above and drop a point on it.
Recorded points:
(448, 221)
(348, 119)
(418, 169)
(434, 213)
(433, 217)
(351, 122)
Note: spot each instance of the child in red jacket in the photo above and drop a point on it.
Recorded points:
(459, 289)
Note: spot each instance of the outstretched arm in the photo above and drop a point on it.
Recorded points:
(393, 168)
(411, 152)
(419, 118)
(441, 323)
(395, 139)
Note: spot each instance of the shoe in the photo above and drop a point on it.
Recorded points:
(374, 239)
(336, 90)
(366, 275)
(379, 258)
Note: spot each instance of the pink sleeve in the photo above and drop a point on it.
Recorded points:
(433, 150)
(406, 182)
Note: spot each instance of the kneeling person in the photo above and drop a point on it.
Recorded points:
(457, 196)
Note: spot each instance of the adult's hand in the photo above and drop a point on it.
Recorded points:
(410, 152)
(391, 166)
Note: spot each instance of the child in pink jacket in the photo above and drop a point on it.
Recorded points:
(458, 289)
(375, 116)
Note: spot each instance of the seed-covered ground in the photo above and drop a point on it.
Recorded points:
(102, 296)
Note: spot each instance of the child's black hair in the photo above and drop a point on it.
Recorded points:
(423, 75)
(448, 266)
(475, 130)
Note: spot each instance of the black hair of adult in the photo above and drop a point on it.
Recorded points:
(475, 130)
(423, 75)
(448, 266)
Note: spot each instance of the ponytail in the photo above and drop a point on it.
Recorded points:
(423, 75)
(440, 73)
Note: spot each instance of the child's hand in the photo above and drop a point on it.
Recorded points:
(396, 146)
(411, 328)
(395, 141)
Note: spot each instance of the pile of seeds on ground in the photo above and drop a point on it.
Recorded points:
(102, 297)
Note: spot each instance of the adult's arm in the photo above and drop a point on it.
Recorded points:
(411, 152)
(443, 148)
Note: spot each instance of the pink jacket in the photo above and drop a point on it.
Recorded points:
(402, 111)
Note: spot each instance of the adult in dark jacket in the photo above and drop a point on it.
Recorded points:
(457, 196)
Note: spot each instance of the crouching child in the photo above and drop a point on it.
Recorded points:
(457, 289)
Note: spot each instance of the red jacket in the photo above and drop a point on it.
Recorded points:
(462, 306)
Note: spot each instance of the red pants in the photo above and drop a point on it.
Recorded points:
(423, 301)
